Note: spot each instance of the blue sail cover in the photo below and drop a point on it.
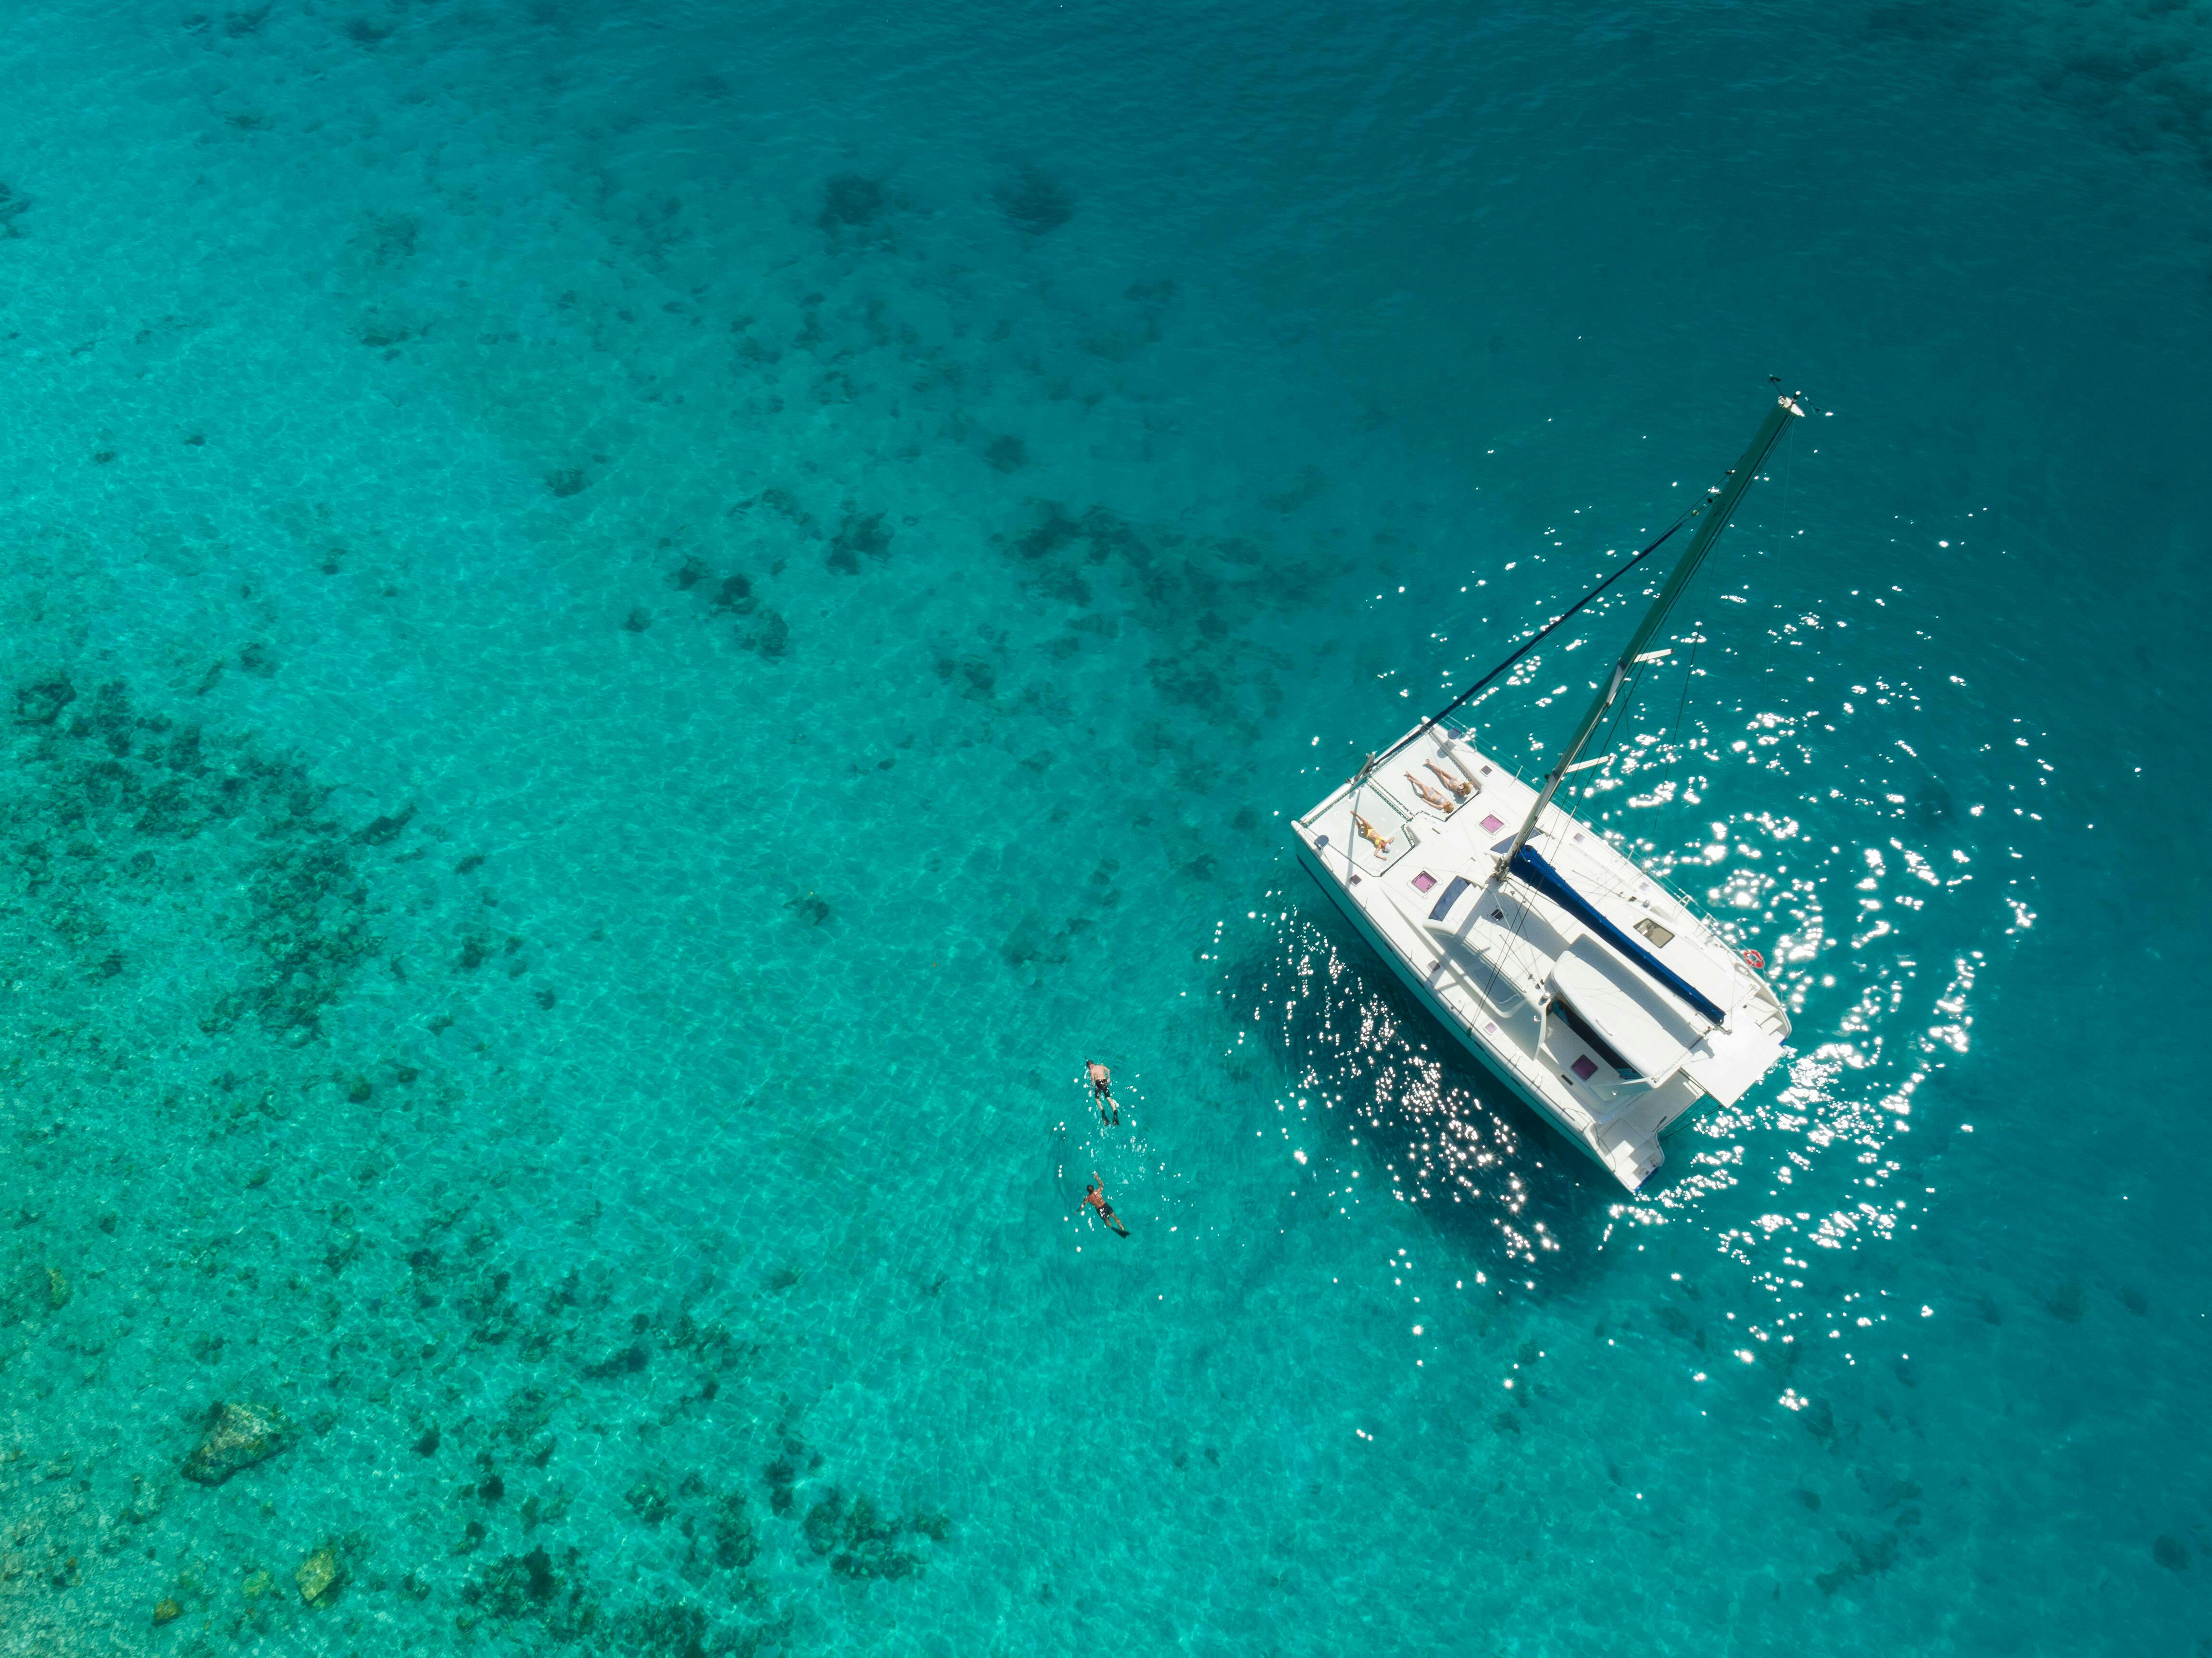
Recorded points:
(1532, 867)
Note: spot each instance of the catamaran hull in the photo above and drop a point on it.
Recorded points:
(1641, 1005)
(1430, 1005)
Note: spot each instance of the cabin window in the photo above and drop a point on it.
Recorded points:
(1649, 927)
(1459, 884)
(1563, 1011)
(1424, 881)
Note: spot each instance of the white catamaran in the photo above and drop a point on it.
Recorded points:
(1604, 1000)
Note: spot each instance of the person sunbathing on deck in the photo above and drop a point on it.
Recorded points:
(1429, 795)
(1460, 787)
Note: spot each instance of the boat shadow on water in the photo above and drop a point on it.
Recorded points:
(1421, 1120)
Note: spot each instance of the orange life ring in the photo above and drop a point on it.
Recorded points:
(1758, 961)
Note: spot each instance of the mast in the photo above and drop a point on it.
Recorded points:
(1719, 509)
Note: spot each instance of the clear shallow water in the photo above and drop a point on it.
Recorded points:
(592, 1041)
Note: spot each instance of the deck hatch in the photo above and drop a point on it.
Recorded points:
(1424, 881)
(1458, 884)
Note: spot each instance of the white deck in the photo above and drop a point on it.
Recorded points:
(1510, 975)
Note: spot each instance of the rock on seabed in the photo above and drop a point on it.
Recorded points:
(318, 1574)
(240, 1436)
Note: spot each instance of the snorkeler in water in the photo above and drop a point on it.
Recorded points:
(1096, 1199)
(1102, 1090)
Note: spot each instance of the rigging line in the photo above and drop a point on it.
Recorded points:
(1788, 471)
(1496, 963)
(1689, 673)
(1539, 1007)
(1697, 638)
(1538, 638)
(1505, 955)
(1627, 700)
(1624, 700)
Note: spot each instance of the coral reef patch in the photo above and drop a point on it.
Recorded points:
(1034, 200)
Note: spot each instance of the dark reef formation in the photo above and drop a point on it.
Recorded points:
(856, 211)
(861, 535)
(762, 628)
(858, 1541)
(324, 1216)
(108, 778)
(1034, 200)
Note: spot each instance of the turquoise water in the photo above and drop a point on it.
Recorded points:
(630, 629)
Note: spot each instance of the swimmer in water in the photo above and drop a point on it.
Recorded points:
(1096, 1200)
(1101, 1089)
